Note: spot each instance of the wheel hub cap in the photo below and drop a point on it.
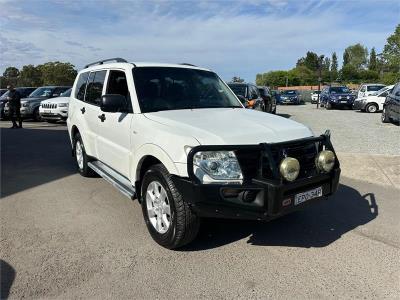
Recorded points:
(79, 154)
(158, 207)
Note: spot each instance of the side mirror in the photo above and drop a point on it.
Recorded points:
(113, 103)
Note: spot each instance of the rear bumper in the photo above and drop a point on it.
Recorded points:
(272, 199)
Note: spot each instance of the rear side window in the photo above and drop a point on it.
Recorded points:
(81, 86)
(95, 87)
(374, 88)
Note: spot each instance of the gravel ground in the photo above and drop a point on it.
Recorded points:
(352, 131)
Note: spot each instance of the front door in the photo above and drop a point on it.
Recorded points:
(113, 140)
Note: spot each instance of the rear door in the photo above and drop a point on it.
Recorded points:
(113, 140)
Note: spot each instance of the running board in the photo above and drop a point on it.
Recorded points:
(117, 180)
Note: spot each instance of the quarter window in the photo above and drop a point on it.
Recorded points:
(81, 86)
(95, 87)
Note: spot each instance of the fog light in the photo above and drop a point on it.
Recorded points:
(289, 168)
(325, 161)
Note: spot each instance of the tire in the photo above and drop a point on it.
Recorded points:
(183, 223)
(81, 158)
(328, 106)
(36, 115)
(274, 111)
(371, 108)
(385, 117)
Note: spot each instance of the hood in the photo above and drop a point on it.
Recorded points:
(34, 99)
(57, 100)
(227, 126)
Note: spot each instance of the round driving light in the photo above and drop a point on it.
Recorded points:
(289, 168)
(325, 161)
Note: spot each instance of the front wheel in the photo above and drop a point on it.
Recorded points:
(385, 117)
(168, 217)
(371, 108)
(328, 106)
(36, 115)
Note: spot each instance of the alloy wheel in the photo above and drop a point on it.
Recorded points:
(158, 207)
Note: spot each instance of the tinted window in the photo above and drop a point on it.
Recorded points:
(166, 88)
(289, 92)
(339, 90)
(238, 89)
(81, 86)
(95, 87)
(117, 84)
(60, 90)
(42, 92)
(67, 93)
(396, 90)
(374, 88)
(254, 92)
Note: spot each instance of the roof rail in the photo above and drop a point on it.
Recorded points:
(186, 64)
(100, 62)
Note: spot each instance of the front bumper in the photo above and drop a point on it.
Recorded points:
(258, 198)
(48, 114)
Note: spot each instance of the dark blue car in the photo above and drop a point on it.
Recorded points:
(336, 97)
(290, 97)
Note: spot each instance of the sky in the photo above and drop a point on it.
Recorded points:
(233, 38)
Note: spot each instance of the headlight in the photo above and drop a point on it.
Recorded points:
(325, 161)
(217, 167)
(62, 105)
(24, 104)
(289, 168)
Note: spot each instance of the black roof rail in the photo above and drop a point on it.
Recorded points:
(186, 64)
(100, 62)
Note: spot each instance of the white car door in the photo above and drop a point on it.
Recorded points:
(381, 99)
(113, 140)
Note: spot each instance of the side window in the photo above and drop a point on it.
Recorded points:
(253, 92)
(396, 90)
(362, 89)
(81, 86)
(117, 84)
(95, 87)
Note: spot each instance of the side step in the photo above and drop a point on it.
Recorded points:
(117, 180)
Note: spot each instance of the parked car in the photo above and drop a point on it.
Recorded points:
(2, 91)
(269, 101)
(367, 89)
(391, 107)
(24, 92)
(55, 109)
(314, 96)
(248, 94)
(30, 105)
(336, 97)
(373, 102)
(176, 138)
(290, 97)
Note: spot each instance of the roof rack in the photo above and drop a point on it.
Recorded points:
(186, 64)
(100, 62)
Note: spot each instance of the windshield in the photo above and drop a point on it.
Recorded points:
(374, 88)
(238, 89)
(289, 92)
(339, 90)
(67, 93)
(41, 92)
(167, 88)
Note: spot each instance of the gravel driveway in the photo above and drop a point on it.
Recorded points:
(352, 131)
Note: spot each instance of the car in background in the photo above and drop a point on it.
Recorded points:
(367, 89)
(336, 97)
(55, 109)
(248, 94)
(23, 91)
(277, 95)
(2, 91)
(314, 96)
(290, 97)
(391, 107)
(269, 101)
(374, 102)
(30, 105)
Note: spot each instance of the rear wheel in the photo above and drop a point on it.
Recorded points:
(371, 108)
(168, 217)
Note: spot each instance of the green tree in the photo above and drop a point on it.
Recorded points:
(391, 51)
(372, 65)
(237, 79)
(57, 73)
(30, 76)
(349, 73)
(334, 67)
(10, 75)
(301, 75)
(310, 61)
(272, 78)
(326, 73)
(356, 55)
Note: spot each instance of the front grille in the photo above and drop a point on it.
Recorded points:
(49, 105)
(250, 160)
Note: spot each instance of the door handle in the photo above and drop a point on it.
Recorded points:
(83, 110)
(102, 117)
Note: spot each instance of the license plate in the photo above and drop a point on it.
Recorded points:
(303, 197)
(343, 101)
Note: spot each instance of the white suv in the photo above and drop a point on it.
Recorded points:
(178, 139)
(55, 109)
(367, 89)
(374, 102)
